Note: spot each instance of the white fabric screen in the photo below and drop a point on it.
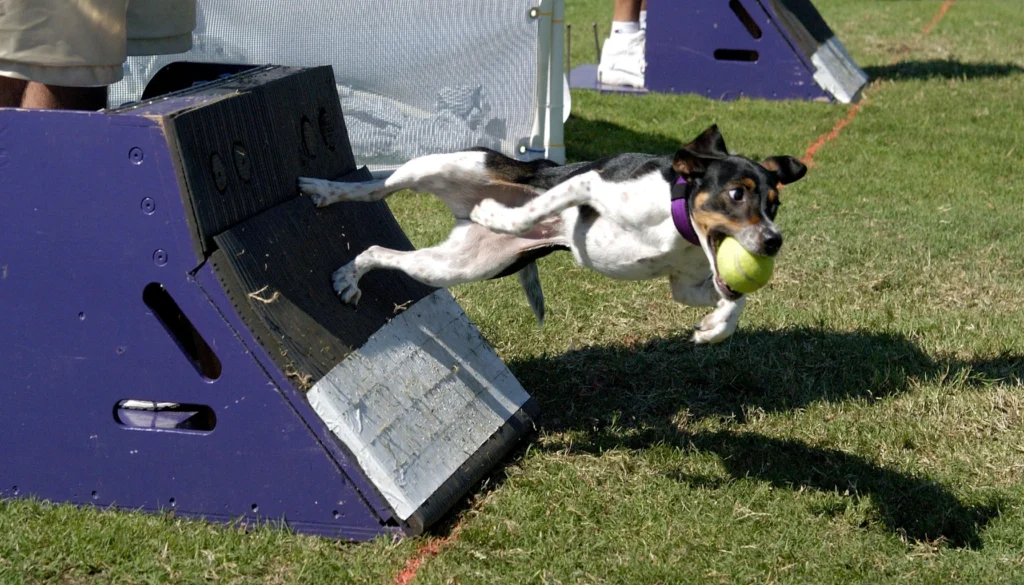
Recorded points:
(414, 76)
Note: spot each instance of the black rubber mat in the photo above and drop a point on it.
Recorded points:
(803, 21)
(277, 268)
(242, 153)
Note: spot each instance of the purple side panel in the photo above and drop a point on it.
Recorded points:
(90, 213)
(682, 37)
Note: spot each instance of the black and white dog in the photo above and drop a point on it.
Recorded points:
(627, 216)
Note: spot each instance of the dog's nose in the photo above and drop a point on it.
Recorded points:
(772, 243)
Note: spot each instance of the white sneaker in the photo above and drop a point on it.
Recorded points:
(622, 59)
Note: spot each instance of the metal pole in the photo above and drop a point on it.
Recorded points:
(536, 149)
(568, 53)
(556, 142)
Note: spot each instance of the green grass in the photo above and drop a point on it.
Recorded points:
(865, 425)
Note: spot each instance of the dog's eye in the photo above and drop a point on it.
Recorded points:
(736, 194)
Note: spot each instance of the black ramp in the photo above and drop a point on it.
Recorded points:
(277, 267)
(808, 29)
(242, 154)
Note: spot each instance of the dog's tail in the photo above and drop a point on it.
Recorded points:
(529, 278)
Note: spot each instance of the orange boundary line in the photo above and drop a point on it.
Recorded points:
(830, 135)
(938, 16)
(834, 132)
(423, 553)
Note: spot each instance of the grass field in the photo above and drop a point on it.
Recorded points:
(865, 425)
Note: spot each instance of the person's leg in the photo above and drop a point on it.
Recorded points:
(18, 93)
(56, 54)
(57, 97)
(627, 11)
(622, 57)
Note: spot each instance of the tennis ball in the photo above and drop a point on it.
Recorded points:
(742, 271)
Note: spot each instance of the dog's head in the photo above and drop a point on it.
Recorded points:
(732, 195)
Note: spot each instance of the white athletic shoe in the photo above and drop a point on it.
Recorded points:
(622, 59)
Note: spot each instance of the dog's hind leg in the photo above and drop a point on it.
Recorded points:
(435, 173)
(470, 253)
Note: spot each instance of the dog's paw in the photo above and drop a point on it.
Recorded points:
(716, 327)
(721, 323)
(320, 192)
(346, 283)
(713, 334)
(495, 217)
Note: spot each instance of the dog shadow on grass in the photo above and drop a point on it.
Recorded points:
(630, 396)
(941, 69)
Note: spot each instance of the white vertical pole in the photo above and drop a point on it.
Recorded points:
(556, 142)
(536, 149)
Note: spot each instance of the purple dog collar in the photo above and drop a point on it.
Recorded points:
(681, 217)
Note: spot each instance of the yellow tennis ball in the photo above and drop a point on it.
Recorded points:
(742, 271)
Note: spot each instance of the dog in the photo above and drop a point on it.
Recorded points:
(627, 216)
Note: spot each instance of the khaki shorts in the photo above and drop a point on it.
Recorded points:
(85, 42)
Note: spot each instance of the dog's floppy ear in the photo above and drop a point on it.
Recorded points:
(693, 158)
(788, 169)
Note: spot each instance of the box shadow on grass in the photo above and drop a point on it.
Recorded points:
(941, 69)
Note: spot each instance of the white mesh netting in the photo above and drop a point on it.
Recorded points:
(414, 76)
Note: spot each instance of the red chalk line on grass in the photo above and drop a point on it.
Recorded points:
(423, 553)
(938, 16)
(834, 132)
(830, 135)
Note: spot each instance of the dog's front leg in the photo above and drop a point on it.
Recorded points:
(721, 323)
(520, 220)
(718, 325)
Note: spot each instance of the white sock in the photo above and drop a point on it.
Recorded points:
(643, 20)
(619, 28)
